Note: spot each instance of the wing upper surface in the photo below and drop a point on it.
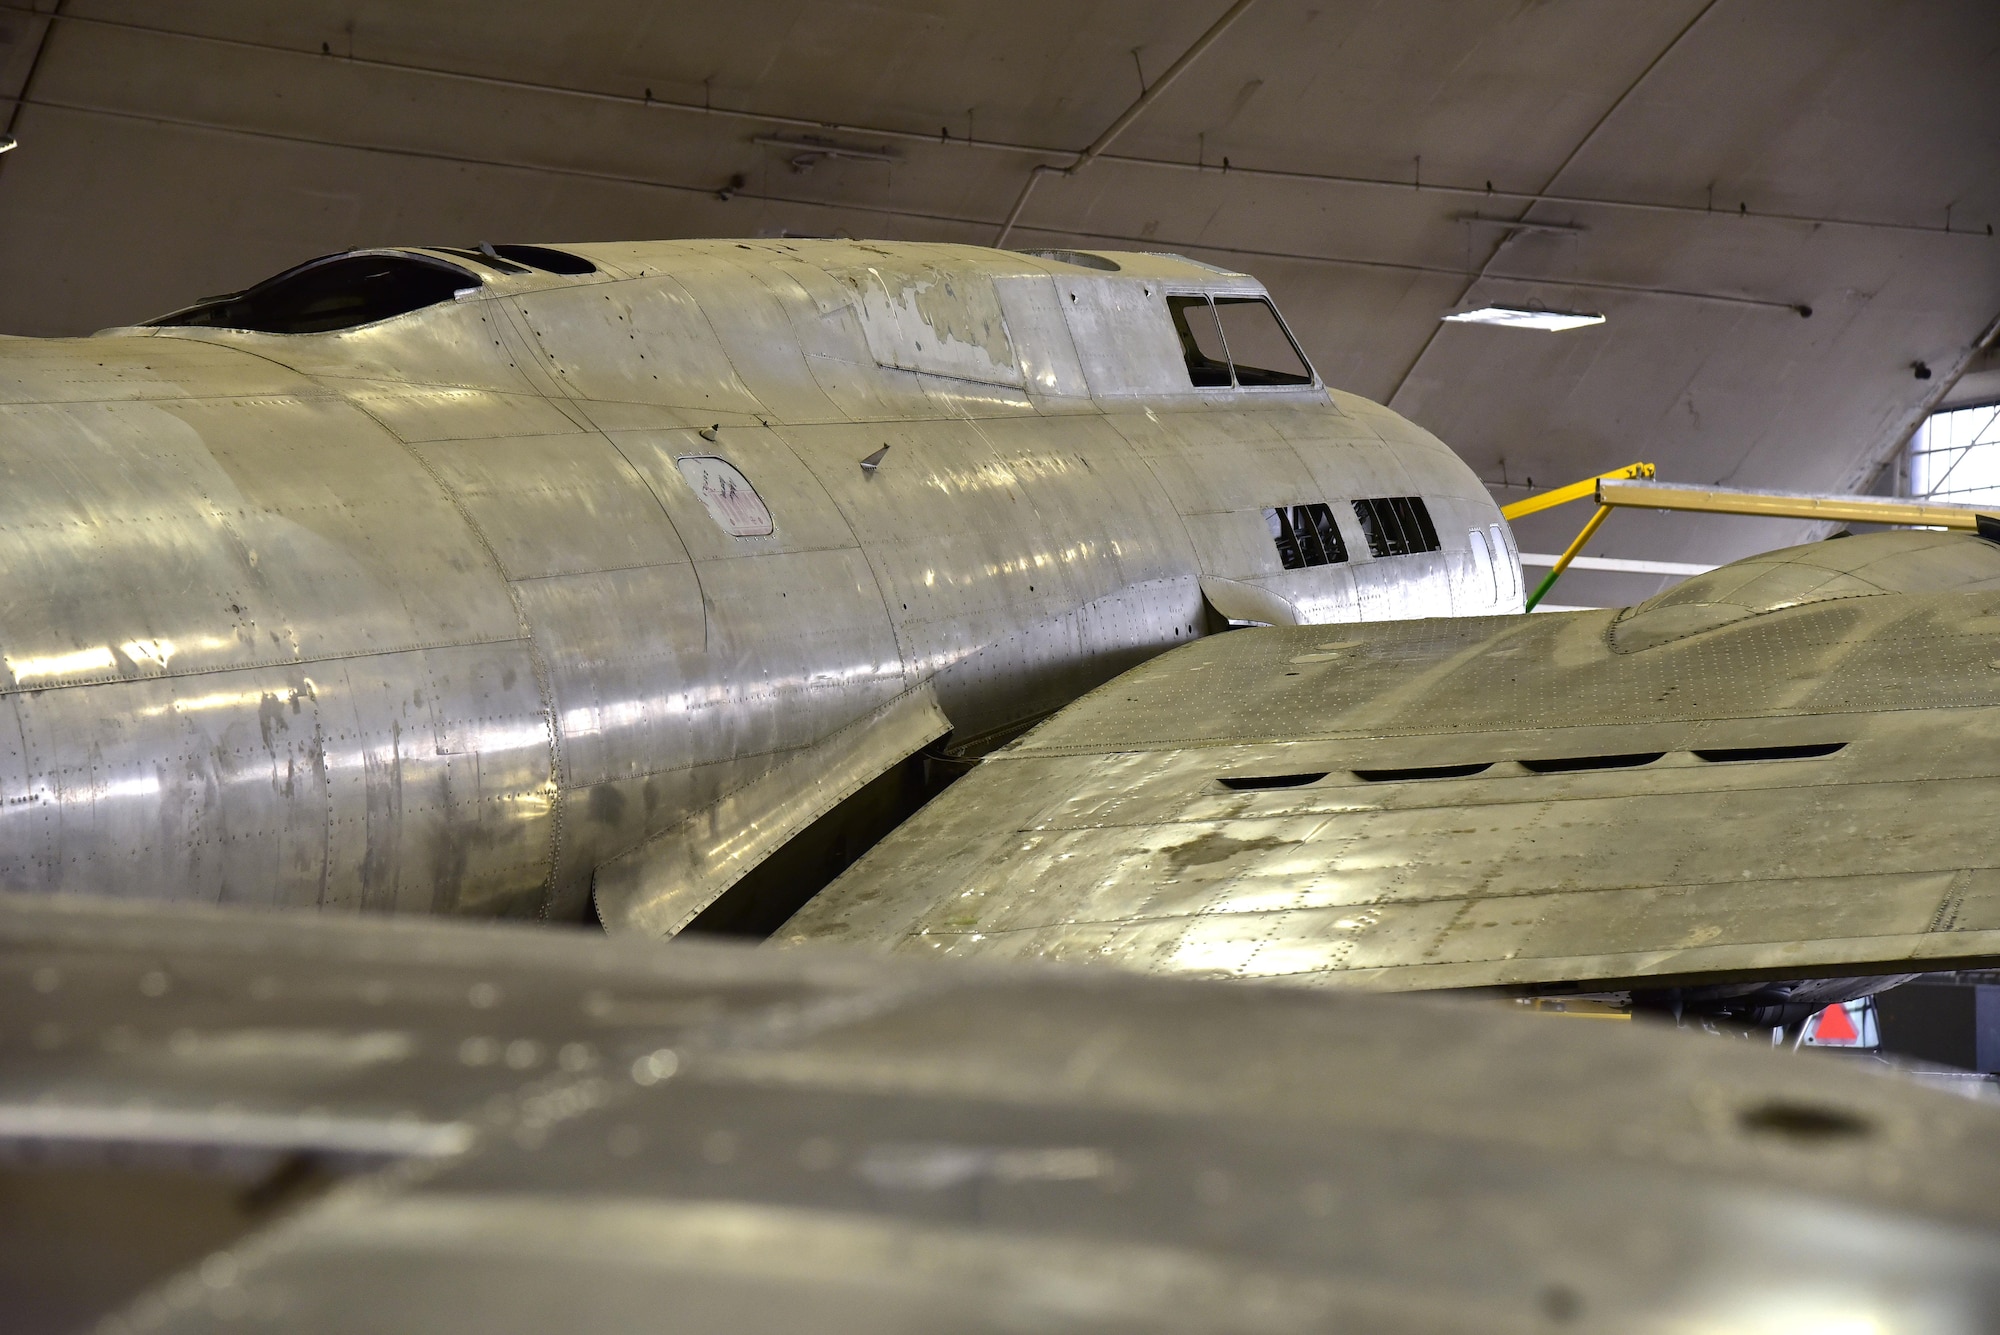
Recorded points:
(1790, 776)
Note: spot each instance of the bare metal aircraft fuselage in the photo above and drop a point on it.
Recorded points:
(544, 578)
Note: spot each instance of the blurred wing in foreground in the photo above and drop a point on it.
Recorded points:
(357, 1126)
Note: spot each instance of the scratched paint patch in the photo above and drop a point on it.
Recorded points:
(728, 496)
(937, 320)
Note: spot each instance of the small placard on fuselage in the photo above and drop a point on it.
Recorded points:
(727, 495)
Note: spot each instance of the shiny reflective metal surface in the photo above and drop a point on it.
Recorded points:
(533, 1130)
(1782, 769)
(445, 612)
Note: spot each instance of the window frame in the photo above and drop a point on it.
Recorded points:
(1236, 386)
(1179, 321)
(1919, 449)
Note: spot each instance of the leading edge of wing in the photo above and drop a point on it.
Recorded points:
(661, 886)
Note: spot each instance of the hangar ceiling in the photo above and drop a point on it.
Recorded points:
(1702, 172)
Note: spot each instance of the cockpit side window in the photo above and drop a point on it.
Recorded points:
(336, 292)
(1260, 347)
(1201, 341)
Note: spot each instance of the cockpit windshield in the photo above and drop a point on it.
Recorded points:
(331, 293)
(1235, 341)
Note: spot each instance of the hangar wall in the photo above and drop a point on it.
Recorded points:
(1697, 171)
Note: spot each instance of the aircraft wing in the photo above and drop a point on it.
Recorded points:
(1784, 769)
(661, 886)
(286, 1122)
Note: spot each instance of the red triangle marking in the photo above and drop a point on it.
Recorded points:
(1835, 1027)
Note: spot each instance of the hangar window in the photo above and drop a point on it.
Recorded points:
(1955, 457)
(1396, 525)
(1305, 535)
(1260, 347)
(335, 292)
(1201, 341)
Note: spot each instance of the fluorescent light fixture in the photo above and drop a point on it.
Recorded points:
(1522, 317)
(7, 143)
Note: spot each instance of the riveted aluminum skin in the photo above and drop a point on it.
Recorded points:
(445, 612)
(549, 1129)
(1783, 769)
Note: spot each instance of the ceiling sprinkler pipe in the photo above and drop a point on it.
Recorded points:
(1146, 99)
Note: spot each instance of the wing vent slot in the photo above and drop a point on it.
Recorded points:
(1559, 764)
(1807, 752)
(1570, 764)
(1242, 782)
(1423, 772)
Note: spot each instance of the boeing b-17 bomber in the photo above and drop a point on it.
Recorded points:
(461, 580)
(491, 582)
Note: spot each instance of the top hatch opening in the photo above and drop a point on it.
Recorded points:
(546, 258)
(332, 293)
